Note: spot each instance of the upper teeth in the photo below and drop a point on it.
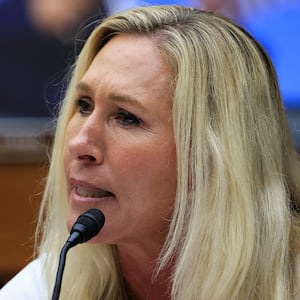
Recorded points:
(84, 192)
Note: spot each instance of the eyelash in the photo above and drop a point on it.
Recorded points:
(85, 106)
(123, 117)
(126, 118)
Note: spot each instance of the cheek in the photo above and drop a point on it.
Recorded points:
(66, 154)
(71, 130)
(150, 170)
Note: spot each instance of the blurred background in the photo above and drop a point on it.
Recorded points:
(39, 42)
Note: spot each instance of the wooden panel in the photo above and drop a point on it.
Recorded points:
(21, 186)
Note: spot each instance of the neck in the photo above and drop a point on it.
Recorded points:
(138, 268)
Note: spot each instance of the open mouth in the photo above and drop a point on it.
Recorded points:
(91, 193)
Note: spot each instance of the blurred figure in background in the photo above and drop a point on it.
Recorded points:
(68, 15)
(36, 50)
(277, 28)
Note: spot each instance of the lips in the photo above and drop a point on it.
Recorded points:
(92, 193)
(85, 190)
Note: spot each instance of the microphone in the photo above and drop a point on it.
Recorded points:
(86, 227)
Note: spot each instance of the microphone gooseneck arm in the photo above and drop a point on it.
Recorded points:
(86, 227)
(60, 271)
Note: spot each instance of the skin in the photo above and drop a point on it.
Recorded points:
(121, 140)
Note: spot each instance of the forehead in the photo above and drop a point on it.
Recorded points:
(134, 59)
(127, 45)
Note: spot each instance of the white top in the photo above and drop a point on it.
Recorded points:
(28, 284)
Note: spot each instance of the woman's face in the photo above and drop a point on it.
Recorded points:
(119, 153)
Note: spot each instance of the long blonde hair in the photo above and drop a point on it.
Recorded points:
(234, 231)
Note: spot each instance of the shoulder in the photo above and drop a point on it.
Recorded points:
(29, 283)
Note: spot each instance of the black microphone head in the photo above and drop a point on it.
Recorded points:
(86, 226)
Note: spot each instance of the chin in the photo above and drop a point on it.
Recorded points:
(71, 219)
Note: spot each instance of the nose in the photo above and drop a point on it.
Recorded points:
(85, 142)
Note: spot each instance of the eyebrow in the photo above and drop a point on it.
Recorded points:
(116, 97)
(82, 86)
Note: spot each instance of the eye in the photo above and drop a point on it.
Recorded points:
(126, 118)
(85, 106)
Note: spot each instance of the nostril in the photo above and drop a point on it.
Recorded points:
(87, 157)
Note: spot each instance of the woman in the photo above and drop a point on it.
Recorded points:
(173, 126)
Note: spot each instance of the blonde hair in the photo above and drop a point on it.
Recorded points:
(234, 232)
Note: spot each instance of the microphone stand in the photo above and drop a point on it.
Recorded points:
(87, 226)
(60, 270)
